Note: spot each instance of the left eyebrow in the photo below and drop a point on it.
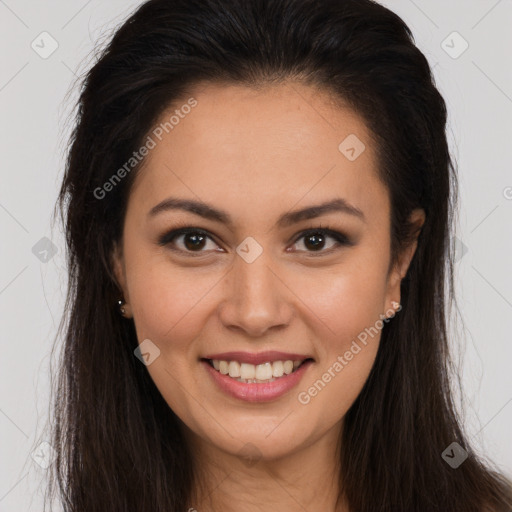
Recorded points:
(209, 212)
(336, 205)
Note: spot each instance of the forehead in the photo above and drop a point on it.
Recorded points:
(260, 150)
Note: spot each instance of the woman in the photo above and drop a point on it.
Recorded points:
(258, 201)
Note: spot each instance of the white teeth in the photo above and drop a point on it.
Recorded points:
(264, 371)
(223, 367)
(234, 369)
(247, 371)
(278, 368)
(250, 373)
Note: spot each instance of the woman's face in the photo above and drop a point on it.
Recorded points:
(252, 282)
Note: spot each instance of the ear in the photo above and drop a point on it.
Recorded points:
(417, 218)
(119, 270)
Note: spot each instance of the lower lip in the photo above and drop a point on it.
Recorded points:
(255, 392)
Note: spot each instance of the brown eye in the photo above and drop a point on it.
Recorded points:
(192, 240)
(315, 240)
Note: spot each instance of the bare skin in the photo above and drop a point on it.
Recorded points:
(258, 155)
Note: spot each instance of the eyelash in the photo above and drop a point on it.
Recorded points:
(341, 239)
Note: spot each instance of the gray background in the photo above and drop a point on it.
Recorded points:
(35, 124)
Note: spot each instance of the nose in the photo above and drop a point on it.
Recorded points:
(257, 299)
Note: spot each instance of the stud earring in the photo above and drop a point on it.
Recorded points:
(121, 303)
(397, 307)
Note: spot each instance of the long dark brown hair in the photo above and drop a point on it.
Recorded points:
(119, 446)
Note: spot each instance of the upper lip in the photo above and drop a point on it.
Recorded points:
(258, 358)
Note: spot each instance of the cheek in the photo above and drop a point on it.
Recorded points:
(347, 311)
(347, 301)
(341, 372)
(168, 302)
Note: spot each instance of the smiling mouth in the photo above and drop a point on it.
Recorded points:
(256, 374)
